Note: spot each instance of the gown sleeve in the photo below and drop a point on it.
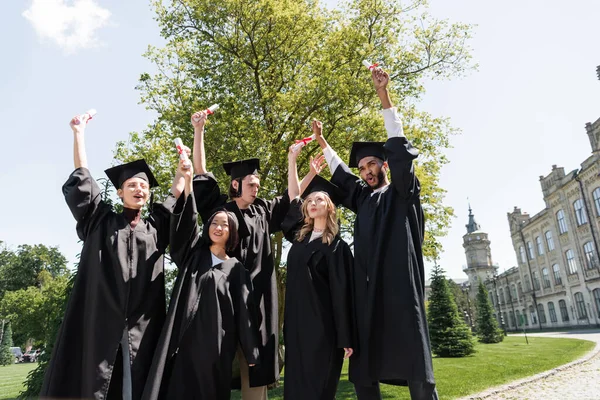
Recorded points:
(245, 314)
(207, 195)
(276, 211)
(293, 220)
(83, 196)
(160, 218)
(351, 185)
(340, 264)
(400, 154)
(184, 231)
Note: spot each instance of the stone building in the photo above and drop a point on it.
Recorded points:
(557, 281)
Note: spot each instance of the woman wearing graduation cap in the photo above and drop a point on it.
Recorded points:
(210, 308)
(117, 305)
(318, 321)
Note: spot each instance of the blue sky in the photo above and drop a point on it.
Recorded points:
(524, 110)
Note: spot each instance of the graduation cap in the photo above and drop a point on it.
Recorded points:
(319, 184)
(239, 169)
(135, 169)
(361, 150)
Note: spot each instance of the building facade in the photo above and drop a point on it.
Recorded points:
(557, 281)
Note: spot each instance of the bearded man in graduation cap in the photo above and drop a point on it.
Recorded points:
(389, 276)
(258, 219)
(116, 309)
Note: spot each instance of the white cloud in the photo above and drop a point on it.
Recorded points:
(71, 26)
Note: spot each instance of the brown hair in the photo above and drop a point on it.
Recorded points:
(331, 227)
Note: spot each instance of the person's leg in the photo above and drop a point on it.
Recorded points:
(422, 391)
(369, 392)
(249, 393)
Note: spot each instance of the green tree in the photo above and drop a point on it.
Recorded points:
(272, 65)
(463, 302)
(6, 356)
(22, 268)
(487, 326)
(450, 336)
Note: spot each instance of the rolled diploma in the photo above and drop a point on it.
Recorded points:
(91, 112)
(182, 154)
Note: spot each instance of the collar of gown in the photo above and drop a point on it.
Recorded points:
(132, 216)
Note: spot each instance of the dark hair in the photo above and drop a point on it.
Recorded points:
(233, 239)
(233, 192)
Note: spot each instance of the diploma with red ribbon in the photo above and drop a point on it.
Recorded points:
(182, 153)
(302, 142)
(209, 111)
(370, 66)
(90, 113)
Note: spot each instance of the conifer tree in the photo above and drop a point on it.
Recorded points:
(6, 356)
(450, 336)
(487, 326)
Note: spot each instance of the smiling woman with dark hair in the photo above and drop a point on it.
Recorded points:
(210, 310)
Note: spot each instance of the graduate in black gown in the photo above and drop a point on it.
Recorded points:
(209, 312)
(258, 219)
(117, 306)
(318, 322)
(389, 276)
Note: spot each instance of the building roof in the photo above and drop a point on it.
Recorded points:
(472, 226)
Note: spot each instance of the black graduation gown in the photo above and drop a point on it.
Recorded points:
(256, 224)
(393, 343)
(208, 316)
(119, 286)
(318, 314)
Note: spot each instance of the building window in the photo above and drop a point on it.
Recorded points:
(562, 224)
(564, 314)
(512, 320)
(523, 256)
(596, 195)
(571, 264)
(525, 318)
(541, 313)
(514, 293)
(536, 280)
(552, 312)
(556, 272)
(501, 295)
(540, 245)
(579, 212)
(549, 240)
(580, 303)
(532, 313)
(527, 284)
(518, 315)
(545, 278)
(590, 258)
(520, 287)
(530, 250)
(596, 293)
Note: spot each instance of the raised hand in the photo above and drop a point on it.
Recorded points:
(293, 152)
(78, 123)
(317, 128)
(199, 119)
(348, 351)
(317, 164)
(380, 78)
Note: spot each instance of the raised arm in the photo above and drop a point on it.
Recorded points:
(78, 124)
(198, 121)
(184, 232)
(293, 184)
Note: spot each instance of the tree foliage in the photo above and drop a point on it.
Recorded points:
(6, 356)
(487, 325)
(450, 335)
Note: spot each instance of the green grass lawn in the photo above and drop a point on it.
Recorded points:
(492, 365)
(12, 378)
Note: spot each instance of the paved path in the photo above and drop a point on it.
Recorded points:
(579, 380)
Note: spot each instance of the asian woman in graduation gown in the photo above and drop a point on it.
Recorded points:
(116, 309)
(210, 311)
(318, 322)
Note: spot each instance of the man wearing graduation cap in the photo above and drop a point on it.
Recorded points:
(258, 219)
(389, 276)
(116, 308)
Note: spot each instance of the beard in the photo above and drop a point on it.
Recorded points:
(380, 180)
